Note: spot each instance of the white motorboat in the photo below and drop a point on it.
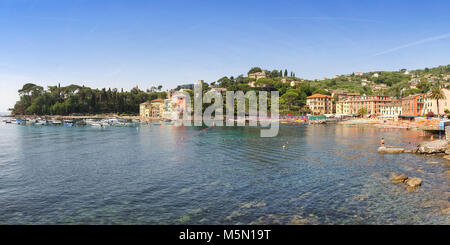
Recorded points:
(56, 122)
(40, 122)
(68, 123)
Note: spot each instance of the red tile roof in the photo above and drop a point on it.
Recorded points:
(319, 96)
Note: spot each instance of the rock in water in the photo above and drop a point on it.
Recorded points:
(437, 146)
(413, 183)
(398, 178)
(385, 150)
(445, 210)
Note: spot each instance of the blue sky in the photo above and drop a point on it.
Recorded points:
(127, 43)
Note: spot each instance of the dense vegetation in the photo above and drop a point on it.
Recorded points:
(293, 98)
(58, 100)
(72, 99)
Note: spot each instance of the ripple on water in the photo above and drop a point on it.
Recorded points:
(327, 175)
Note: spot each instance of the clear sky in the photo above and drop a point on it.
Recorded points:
(127, 43)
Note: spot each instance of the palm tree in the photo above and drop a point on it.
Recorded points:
(437, 94)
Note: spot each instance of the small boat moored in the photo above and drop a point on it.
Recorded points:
(56, 122)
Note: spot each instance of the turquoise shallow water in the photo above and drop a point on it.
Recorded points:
(148, 175)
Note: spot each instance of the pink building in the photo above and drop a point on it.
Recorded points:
(372, 104)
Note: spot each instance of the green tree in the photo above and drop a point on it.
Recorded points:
(254, 69)
(362, 111)
(289, 98)
(437, 94)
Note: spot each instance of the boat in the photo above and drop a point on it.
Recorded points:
(40, 122)
(55, 122)
(68, 123)
(97, 125)
(30, 121)
(81, 123)
(18, 121)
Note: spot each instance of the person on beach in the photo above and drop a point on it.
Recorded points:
(382, 142)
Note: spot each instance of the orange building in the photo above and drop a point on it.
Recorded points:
(412, 105)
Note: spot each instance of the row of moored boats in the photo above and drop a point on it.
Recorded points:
(84, 122)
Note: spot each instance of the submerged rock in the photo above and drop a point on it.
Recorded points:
(385, 150)
(431, 147)
(253, 204)
(398, 178)
(445, 210)
(413, 183)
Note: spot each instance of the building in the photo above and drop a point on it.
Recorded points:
(258, 75)
(167, 109)
(392, 109)
(380, 86)
(144, 110)
(180, 105)
(412, 105)
(352, 104)
(320, 104)
(338, 92)
(157, 108)
(152, 110)
(341, 94)
(358, 73)
(430, 105)
(220, 90)
(447, 77)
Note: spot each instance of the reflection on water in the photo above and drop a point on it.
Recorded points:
(227, 175)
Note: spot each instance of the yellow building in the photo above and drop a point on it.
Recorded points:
(144, 110)
(258, 75)
(343, 107)
(320, 104)
(152, 110)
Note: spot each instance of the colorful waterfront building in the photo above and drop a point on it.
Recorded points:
(144, 110)
(412, 105)
(167, 109)
(320, 104)
(430, 105)
(352, 105)
(152, 110)
(392, 109)
(157, 108)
